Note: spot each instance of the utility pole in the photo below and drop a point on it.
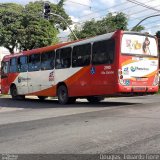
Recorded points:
(47, 13)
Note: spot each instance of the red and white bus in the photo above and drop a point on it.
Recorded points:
(0, 81)
(112, 64)
(159, 57)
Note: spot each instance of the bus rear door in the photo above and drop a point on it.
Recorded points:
(103, 67)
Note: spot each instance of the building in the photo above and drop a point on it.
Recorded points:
(3, 52)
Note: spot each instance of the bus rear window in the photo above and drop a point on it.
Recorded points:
(139, 45)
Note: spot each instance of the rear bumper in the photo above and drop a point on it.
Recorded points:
(137, 89)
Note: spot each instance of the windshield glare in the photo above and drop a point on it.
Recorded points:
(139, 44)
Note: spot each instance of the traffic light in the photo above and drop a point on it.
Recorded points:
(47, 10)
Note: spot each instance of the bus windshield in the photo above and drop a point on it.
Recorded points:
(139, 45)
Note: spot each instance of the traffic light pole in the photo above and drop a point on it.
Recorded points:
(54, 14)
(143, 20)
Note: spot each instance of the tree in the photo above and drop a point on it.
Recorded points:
(138, 28)
(110, 23)
(36, 31)
(89, 29)
(115, 21)
(10, 18)
(25, 27)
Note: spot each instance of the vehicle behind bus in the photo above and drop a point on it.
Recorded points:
(112, 64)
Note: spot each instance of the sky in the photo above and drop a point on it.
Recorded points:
(82, 10)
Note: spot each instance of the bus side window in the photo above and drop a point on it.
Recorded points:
(81, 55)
(63, 58)
(103, 52)
(13, 65)
(22, 64)
(47, 60)
(4, 68)
(34, 63)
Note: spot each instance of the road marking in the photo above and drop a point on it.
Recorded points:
(9, 109)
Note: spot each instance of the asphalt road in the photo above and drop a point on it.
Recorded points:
(116, 125)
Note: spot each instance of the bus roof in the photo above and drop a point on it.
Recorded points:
(37, 50)
(68, 44)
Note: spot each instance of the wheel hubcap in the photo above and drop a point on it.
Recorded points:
(63, 94)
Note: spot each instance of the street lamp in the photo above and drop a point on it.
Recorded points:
(47, 13)
(143, 20)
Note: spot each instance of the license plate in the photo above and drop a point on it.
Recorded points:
(139, 89)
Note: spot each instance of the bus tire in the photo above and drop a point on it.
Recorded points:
(14, 93)
(62, 94)
(94, 99)
(42, 98)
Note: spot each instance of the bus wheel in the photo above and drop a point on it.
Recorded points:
(63, 95)
(42, 98)
(94, 99)
(13, 90)
(15, 95)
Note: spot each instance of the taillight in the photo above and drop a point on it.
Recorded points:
(156, 79)
(119, 72)
(121, 76)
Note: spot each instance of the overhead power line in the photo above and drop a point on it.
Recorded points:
(114, 6)
(102, 10)
(79, 3)
(122, 10)
(155, 26)
(149, 23)
(128, 7)
(139, 18)
(145, 19)
(144, 10)
(143, 5)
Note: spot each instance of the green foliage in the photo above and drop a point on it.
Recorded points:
(25, 27)
(110, 23)
(61, 3)
(36, 33)
(89, 29)
(114, 21)
(138, 28)
(10, 24)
